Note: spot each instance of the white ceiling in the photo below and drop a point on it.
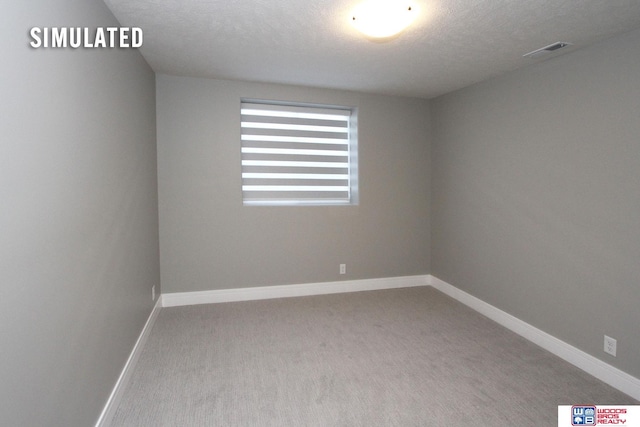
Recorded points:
(453, 43)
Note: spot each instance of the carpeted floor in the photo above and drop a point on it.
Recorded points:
(402, 357)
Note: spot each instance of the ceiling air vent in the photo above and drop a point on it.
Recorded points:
(546, 50)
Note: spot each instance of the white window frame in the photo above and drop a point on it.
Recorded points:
(296, 154)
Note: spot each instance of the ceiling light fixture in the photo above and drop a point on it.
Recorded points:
(383, 18)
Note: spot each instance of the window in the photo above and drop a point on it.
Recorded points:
(298, 154)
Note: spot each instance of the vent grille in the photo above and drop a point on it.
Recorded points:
(546, 50)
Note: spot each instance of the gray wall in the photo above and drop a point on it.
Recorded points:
(78, 215)
(536, 195)
(208, 240)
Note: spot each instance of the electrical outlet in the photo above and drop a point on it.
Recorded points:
(610, 345)
(153, 293)
(343, 268)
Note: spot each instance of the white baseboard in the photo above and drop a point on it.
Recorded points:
(116, 394)
(284, 291)
(596, 367)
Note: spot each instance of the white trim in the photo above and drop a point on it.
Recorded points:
(603, 371)
(284, 291)
(116, 394)
(596, 367)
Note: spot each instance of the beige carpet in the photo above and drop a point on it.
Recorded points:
(405, 357)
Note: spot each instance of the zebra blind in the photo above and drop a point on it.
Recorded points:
(293, 154)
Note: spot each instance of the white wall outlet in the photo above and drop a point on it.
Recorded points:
(153, 293)
(610, 345)
(343, 268)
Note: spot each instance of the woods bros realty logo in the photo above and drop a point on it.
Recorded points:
(592, 415)
(75, 37)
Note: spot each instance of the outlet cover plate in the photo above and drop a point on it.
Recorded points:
(610, 345)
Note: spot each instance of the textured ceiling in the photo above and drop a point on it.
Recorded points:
(452, 44)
